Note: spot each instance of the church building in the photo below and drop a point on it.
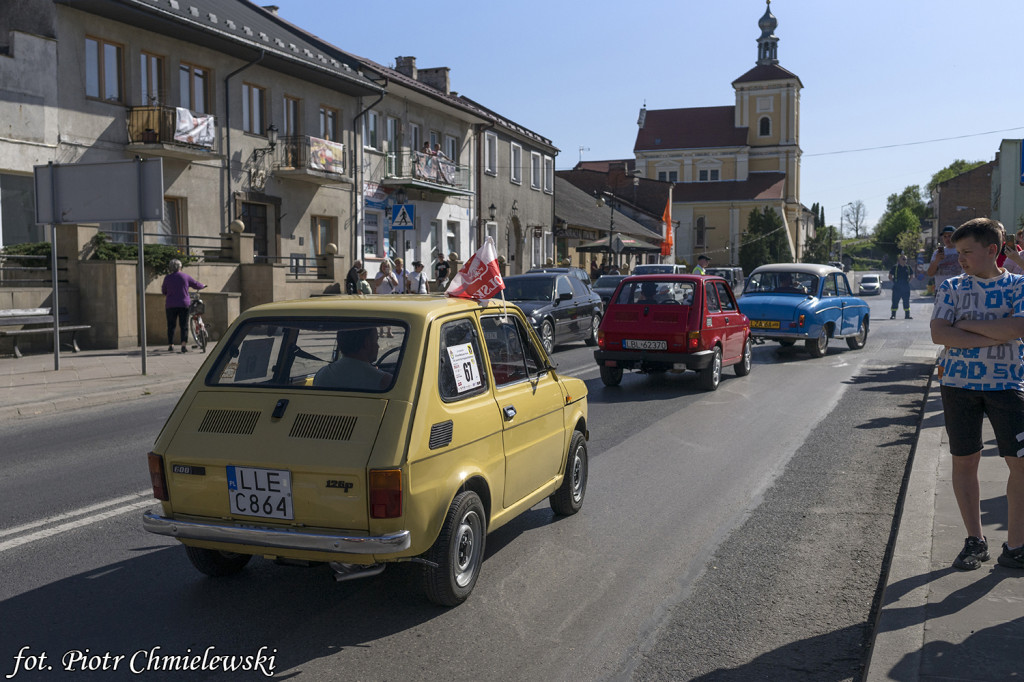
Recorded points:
(726, 161)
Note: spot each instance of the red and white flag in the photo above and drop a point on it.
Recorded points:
(480, 276)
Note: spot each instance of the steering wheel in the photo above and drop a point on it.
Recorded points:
(380, 360)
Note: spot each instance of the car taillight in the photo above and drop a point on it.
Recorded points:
(156, 476)
(385, 493)
(600, 339)
(692, 341)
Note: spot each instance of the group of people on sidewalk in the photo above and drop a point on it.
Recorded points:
(394, 278)
(978, 318)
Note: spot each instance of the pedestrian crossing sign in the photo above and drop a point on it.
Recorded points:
(403, 216)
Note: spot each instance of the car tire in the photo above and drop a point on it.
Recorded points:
(857, 342)
(595, 322)
(817, 347)
(216, 563)
(547, 336)
(611, 376)
(711, 375)
(458, 552)
(568, 499)
(742, 368)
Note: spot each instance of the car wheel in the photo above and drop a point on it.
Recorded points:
(786, 343)
(547, 336)
(595, 323)
(611, 376)
(742, 367)
(215, 563)
(817, 347)
(457, 553)
(856, 342)
(711, 375)
(568, 499)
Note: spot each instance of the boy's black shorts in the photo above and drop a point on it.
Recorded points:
(965, 411)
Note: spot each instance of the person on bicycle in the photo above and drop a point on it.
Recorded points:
(176, 300)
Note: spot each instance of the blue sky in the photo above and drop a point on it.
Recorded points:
(877, 75)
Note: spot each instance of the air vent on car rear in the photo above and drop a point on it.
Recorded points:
(440, 434)
(230, 421)
(322, 426)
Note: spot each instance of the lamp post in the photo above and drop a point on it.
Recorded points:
(611, 219)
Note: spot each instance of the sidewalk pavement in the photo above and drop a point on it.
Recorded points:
(936, 623)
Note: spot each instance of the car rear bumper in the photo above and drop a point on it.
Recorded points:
(633, 359)
(281, 538)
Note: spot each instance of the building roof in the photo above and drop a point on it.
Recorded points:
(512, 125)
(757, 187)
(767, 72)
(578, 208)
(649, 196)
(692, 128)
(606, 165)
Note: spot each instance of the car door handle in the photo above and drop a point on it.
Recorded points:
(510, 413)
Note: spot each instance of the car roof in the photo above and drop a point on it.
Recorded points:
(809, 268)
(546, 274)
(671, 277)
(398, 305)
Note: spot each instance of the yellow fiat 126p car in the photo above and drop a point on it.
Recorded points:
(363, 431)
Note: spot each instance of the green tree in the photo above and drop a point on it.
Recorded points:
(818, 248)
(907, 229)
(954, 169)
(765, 240)
(894, 221)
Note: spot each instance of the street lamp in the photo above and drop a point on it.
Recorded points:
(611, 222)
(492, 211)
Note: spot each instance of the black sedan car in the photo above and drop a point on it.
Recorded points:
(560, 307)
(606, 285)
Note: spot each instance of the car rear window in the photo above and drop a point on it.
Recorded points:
(782, 282)
(657, 292)
(529, 288)
(348, 354)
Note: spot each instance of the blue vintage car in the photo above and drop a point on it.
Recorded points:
(790, 302)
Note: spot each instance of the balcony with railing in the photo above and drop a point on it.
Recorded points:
(311, 159)
(172, 132)
(432, 172)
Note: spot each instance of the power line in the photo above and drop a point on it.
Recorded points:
(910, 144)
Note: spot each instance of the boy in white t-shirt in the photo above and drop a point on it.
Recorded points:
(979, 319)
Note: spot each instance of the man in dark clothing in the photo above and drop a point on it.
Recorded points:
(899, 275)
(441, 269)
(352, 278)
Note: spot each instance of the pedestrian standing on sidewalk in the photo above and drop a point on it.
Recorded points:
(702, 264)
(900, 275)
(945, 261)
(176, 301)
(979, 319)
(417, 280)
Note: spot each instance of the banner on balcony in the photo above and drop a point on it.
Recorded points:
(326, 156)
(190, 129)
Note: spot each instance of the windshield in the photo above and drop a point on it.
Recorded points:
(608, 281)
(871, 279)
(653, 269)
(346, 354)
(782, 282)
(529, 288)
(656, 292)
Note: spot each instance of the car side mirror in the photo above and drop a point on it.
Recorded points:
(565, 296)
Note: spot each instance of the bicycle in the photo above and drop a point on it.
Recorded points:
(196, 325)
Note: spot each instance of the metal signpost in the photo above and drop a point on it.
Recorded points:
(113, 191)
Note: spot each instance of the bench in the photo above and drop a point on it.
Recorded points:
(36, 321)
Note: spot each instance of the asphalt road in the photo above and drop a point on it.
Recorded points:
(738, 534)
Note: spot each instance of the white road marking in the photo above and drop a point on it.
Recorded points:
(77, 523)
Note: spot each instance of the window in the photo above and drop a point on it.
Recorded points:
(452, 236)
(435, 139)
(451, 147)
(516, 174)
(490, 153)
(171, 229)
(841, 288)
(436, 239)
(549, 174)
(370, 132)
(328, 124)
(371, 234)
(724, 297)
(415, 141)
(513, 357)
(669, 176)
(320, 234)
(708, 175)
(534, 170)
(152, 89)
(254, 108)
(391, 133)
(195, 88)
(712, 297)
(292, 117)
(17, 210)
(461, 373)
(700, 227)
(829, 289)
(104, 71)
(764, 127)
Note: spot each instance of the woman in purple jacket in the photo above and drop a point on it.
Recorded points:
(175, 289)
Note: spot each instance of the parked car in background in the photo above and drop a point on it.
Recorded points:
(790, 302)
(870, 284)
(560, 306)
(579, 273)
(672, 323)
(606, 285)
(734, 276)
(307, 437)
(659, 269)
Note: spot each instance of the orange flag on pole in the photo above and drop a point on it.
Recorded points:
(666, 217)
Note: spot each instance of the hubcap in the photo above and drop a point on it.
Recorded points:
(548, 337)
(746, 355)
(466, 549)
(579, 475)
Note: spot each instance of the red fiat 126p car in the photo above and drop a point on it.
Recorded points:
(661, 323)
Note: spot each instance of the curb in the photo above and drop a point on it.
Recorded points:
(27, 410)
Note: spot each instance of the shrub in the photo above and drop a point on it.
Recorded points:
(157, 256)
(41, 249)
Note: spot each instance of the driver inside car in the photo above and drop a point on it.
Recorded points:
(354, 369)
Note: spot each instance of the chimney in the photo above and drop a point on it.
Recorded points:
(406, 66)
(436, 78)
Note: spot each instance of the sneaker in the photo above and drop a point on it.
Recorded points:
(974, 552)
(1014, 559)
(184, 349)
(171, 348)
